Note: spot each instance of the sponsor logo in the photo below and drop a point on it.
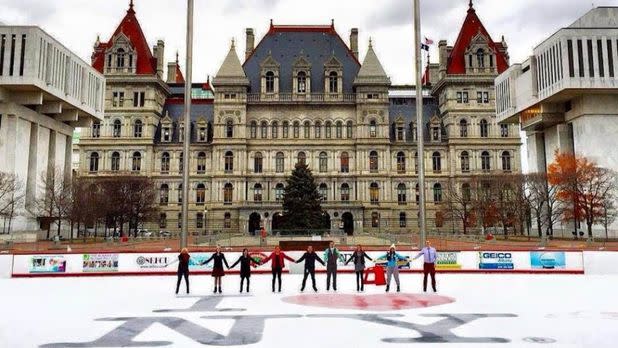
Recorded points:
(495, 260)
(547, 260)
(447, 260)
(100, 263)
(152, 261)
(47, 264)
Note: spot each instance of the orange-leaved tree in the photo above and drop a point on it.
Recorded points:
(583, 186)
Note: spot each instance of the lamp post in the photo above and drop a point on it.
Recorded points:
(419, 120)
(187, 121)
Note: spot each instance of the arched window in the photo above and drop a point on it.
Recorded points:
(302, 158)
(180, 193)
(301, 82)
(274, 129)
(117, 129)
(94, 162)
(180, 163)
(257, 192)
(317, 130)
(165, 163)
(229, 129)
(270, 82)
(253, 130)
(373, 161)
(200, 194)
(328, 127)
(229, 162)
(120, 58)
(227, 220)
(416, 162)
(373, 130)
(96, 129)
(323, 165)
(484, 128)
(345, 192)
(115, 161)
(279, 162)
(506, 161)
(333, 82)
(162, 220)
(307, 130)
(339, 130)
(201, 163)
(137, 129)
(348, 130)
(375, 219)
(296, 129)
(323, 190)
(179, 220)
(402, 219)
(137, 162)
(228, 189)
(466, 193)
(257, 162)
(480, 58)
(264, 130)
(374, 192)
(286, 129)
(417, 194)
(401, 193)
(465, 162)
(436, 162)
(199, 220)
(437, 193)
(463, 128)
(279, 191)
(485, 161)
(345, 162)
(401, 162)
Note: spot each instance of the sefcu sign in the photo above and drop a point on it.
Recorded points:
(495, 260)
(150, 262)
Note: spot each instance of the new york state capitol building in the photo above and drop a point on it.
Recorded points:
(301, 94)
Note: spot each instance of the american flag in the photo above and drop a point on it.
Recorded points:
(428, 41)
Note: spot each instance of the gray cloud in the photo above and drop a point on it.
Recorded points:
(31, 11)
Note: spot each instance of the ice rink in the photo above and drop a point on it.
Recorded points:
(470, 310)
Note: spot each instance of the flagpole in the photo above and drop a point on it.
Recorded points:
(419, 121)
(187, 135)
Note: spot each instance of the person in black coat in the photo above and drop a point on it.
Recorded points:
(359, 257)
(217, 269)
(245, 267)
(310, 257)
(183, 268)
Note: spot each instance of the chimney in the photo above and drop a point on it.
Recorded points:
(250, 42)
(158, 52)
(171, 72)
(354, 41)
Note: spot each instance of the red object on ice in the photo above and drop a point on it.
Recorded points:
(378, 276)
(124, 239)
(489, 236)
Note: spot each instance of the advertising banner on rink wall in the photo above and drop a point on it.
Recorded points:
(167, 263)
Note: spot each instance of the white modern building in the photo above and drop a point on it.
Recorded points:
(45, 92)
(565, 96)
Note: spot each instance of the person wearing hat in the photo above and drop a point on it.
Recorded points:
(392, 257)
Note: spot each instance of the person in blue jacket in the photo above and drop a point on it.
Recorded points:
(392, 257)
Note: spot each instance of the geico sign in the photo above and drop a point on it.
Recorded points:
(497, 255)
(152, 261)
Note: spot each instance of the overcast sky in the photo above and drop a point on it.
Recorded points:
(76, 23)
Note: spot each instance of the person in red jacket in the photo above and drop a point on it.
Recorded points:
(277, 259)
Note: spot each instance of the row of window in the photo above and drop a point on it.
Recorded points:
(138, 129)
(318, 129)
(484, 129)
(301, 82)
(139, 99)
(136, 162)
(8, 48)
(462, 97)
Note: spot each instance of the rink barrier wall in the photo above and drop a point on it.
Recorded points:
(601, 262)
(165, 263)
(6, 265)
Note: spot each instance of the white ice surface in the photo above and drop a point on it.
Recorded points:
(563, 310)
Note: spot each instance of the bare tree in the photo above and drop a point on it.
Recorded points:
(11, 197)
(56, 202)
(460, 205)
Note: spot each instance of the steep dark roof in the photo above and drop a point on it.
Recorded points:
(285, 43)
(405, 106)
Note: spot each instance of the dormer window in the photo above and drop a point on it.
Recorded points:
(301, 82)
(202, 134)
(270, 82)
(435, 133)
(167, 134)
(333, 82)
(120, 58)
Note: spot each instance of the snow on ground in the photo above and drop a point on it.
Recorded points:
(470, 310)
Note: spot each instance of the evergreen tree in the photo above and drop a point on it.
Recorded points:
(301, 201)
